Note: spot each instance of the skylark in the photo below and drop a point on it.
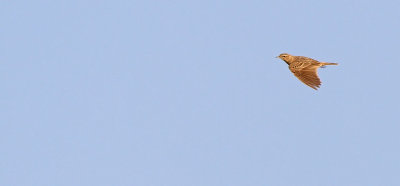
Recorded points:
(304, 68)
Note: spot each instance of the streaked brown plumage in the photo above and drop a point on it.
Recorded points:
(304, 68)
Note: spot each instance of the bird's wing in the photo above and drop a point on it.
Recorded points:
(307, 73)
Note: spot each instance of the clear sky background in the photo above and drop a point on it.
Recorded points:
(188, 93)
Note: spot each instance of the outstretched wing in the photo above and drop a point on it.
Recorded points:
(306, 73)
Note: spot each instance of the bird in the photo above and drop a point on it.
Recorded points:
(305, 68)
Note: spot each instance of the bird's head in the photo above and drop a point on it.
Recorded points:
(285, 57)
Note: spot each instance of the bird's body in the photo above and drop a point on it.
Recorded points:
(305, 69)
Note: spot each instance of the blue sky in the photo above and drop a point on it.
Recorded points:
(169, 93)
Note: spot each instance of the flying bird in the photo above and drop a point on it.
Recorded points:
(304, 68)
